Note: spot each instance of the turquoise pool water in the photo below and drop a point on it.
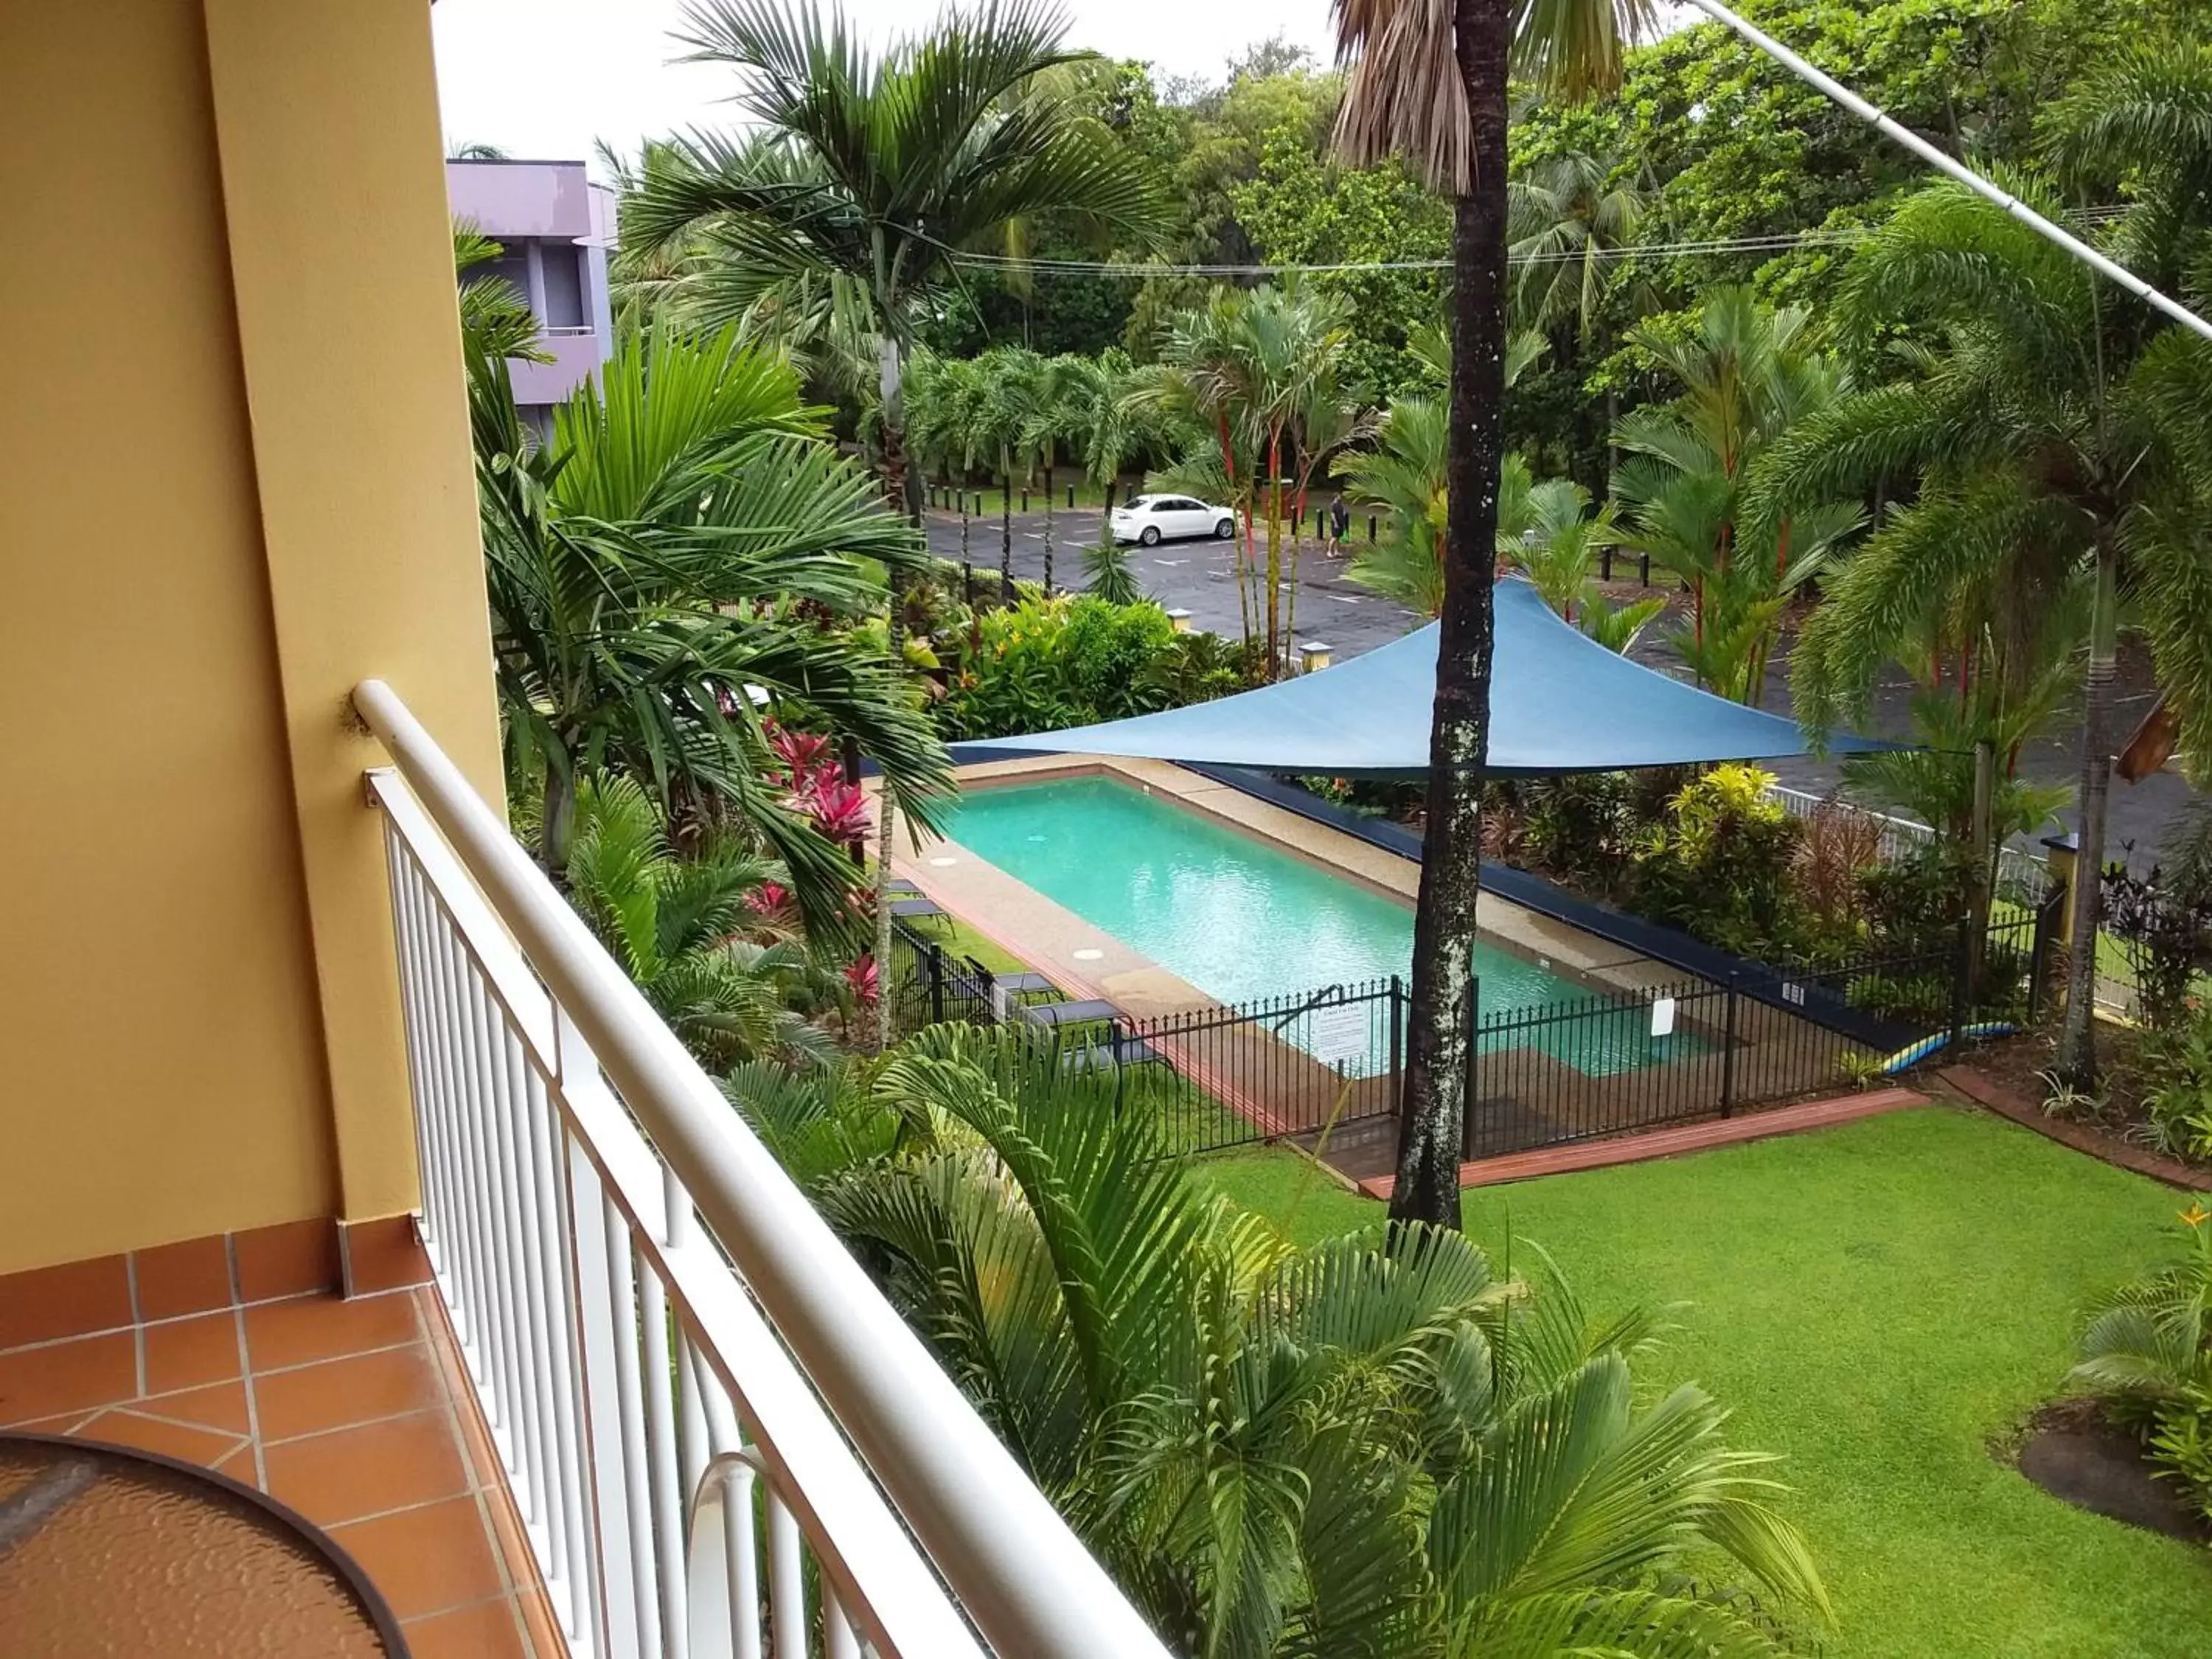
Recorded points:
(1237, 917)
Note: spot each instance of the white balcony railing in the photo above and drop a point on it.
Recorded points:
(692, 1385)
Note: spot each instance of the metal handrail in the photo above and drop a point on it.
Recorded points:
(1023, 1576)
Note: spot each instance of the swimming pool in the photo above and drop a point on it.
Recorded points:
(1236, 916)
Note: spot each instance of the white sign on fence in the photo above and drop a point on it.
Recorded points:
(1662, 1017)
(1338, 1031)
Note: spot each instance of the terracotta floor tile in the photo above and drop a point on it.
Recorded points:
(69, 1300)
(61, 1424)
(217, 1406)
(173, 1280)
(289, 1258)
(359, 1388)
(426, 1560)
(508, 1534)
(206, 1447)
(383, 1255)
(238, 1466)
(545, 1639)
(487, 1630)
(363, 1471)
(189, 1353)
(312, 1328)
(87, 1372)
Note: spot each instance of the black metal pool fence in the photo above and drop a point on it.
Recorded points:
(1326, 1068)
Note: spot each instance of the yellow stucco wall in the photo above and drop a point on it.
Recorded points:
(235, 481)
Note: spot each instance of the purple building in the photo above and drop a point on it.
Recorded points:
(555, 227)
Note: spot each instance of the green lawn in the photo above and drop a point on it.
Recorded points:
(1877, 1301)
(964, 941)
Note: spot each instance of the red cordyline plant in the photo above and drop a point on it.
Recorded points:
(817, 786)
(866, 982)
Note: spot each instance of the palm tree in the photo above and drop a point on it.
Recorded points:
(688, 931)
(497, 319)
(864, 178)
(1402, 479)
(1555, 550)
(942, 395)
(2045, 461)
(1427, 83)
(639, 565)
(1746, 376)
(1053, 429)
(1259, 368)
(1007, 401)
(1574, 215)
(1339, 1450)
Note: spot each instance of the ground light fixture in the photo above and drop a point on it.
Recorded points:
(1843, 95)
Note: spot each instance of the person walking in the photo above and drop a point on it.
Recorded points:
(1339, 522)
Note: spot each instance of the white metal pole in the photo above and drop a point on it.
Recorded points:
(1842, 95)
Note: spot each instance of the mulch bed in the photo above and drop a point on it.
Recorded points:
(2003, 1078)
(2073, 1451)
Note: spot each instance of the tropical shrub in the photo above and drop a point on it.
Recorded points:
(1342, 1449)
(2148, 1350)
(1718, 863)
(1837, 849)
(704, 936)
(2164, 926)
(1580, 826)
(680, 538)
(1913, 904)
(1106, 649)
(1200, 666)
(2174, 1071)
(1106, 567)
(1048, 663)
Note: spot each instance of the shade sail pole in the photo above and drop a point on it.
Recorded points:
(1842, 95)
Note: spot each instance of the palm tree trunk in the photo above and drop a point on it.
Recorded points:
(1048, 530)
(1006, 538)
(2077, 1035)
(891, 362)
(556, 822)
(1439, 1033)
(1274, 559)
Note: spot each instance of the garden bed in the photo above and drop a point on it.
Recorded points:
(2073, 1451)
(2013, 1077)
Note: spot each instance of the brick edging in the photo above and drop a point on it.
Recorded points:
(2104, 1148)
(1671, 1142)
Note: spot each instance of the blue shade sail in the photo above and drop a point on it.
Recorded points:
(1560, 701)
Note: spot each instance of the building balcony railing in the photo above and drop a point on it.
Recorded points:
(693, 1387)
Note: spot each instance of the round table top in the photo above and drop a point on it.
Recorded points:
(105, 1551)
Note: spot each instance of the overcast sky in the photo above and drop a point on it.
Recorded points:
(543, 78)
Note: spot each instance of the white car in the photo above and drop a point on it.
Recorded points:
(1152, 520)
